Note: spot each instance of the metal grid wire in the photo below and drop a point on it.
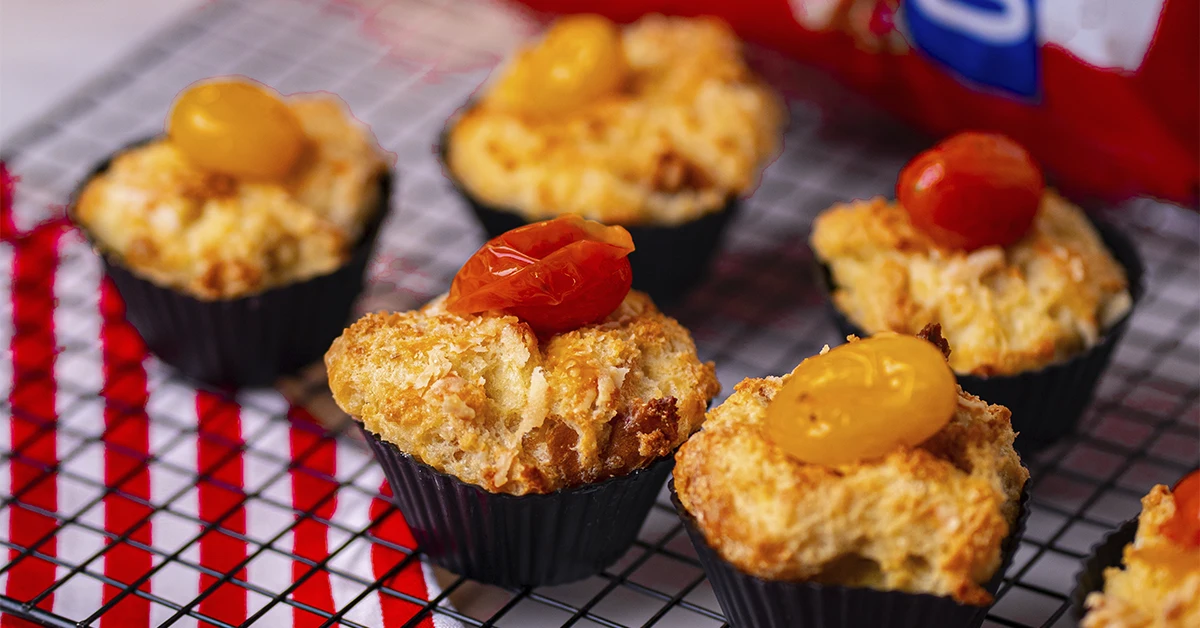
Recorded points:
(759, 314)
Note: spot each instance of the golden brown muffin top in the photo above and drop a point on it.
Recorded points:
(481, 398)
(1158, 585)
(215, 236)
(1041, 300)
(692, 130)
(929, 519)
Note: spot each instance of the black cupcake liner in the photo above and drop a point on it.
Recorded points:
(517, 541)
(1109, 552)
(1048, 403)
(668, 261)
(751, 602)
(246, 341)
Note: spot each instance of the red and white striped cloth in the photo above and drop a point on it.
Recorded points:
(84, 394)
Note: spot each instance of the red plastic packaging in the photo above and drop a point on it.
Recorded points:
(1104, 93)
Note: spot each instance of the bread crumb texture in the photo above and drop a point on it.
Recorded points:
(691, 130)
(929, 519)
(215, 236)
(1158, 584)
(1040, 301)
(480, 398)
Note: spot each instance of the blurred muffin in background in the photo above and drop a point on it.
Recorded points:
(246, 227)
(1156, 581)
(658, 126)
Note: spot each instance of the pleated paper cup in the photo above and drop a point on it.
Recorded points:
(244, 341)
(1109, 552)
(519, 540)
(1047, 403)
(751, 602)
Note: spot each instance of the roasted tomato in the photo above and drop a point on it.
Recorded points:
(972, 190)
(862, 400)
(236, 127)
(1184, 526)
(579, 61)
(556, 275)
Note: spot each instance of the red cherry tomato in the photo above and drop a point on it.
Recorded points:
(555, 275)
(1184, 526)
(972, 190)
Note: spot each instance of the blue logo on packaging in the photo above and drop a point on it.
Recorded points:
(992, 42)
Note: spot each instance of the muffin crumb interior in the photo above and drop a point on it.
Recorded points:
(690, 131)
(480, 398)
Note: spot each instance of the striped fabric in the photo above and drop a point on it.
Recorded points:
(213, 506)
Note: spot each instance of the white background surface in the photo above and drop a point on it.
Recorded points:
(48, 48)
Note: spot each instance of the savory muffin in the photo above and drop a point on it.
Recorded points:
(1051, 295)
(215, 235)
(658, 122)
(525, 420)
(930, 517)
(1032, 295)
(483, 399)
(239, 239)
(1158, 582)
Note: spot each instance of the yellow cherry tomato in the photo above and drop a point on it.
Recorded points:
(236, 127)
(862, 400)
(578, 61)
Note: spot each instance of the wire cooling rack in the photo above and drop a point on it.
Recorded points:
(759, 314)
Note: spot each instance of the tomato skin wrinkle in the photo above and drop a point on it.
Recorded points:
(972, 190)
(555, 275)
(503, 261)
